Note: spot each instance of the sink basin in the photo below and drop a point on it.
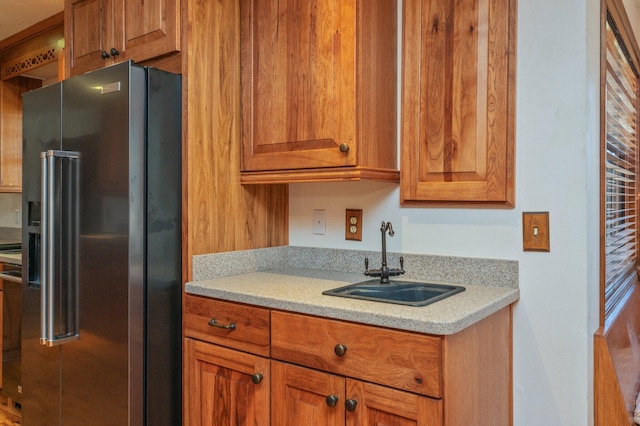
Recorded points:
(399, 292)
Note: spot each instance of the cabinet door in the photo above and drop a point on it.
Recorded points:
(299, 397)
(219, 386)
(137, 29)
(298, 84)
(379, 405)
(90, 29)
(458, 101)
(151, 29)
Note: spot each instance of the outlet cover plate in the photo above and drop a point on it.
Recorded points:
(353, 225)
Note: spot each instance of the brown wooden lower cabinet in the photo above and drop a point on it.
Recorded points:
(1, 325)
(301, 396)
(325, 372)
(220, 388)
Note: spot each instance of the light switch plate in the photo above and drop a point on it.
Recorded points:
(319, 222)
(353, 225)
(535, 231)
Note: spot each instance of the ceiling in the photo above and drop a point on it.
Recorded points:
(20, 14)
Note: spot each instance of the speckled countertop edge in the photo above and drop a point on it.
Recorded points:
(11, 259)
(10, 236)
(300, 290)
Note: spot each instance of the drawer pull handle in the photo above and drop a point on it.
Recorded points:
(257, 378)
(214, 323)
(344, 147)
(332, 400)
(350, 404)
(340, 349)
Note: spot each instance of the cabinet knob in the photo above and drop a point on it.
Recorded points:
(257, 378)
(344, 147)
(114, 51)
(332, 400)
(340, 349)
(350, 404)
(104, 54)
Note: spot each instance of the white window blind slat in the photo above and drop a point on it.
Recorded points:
(620, 174)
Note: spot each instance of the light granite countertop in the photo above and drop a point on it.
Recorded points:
(300, 290)
(13, 259)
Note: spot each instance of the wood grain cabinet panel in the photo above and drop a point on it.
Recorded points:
(221, 389)
(299, 396)
(302, 396)
(380, 376)
(397, 375)
(251, 325)
(34, 47)
(138, 30)
(2, 314)
(318, 90)
(11, 131)
(89, 31)
(371, 353)
(151, 29)
(379, 405)
(458, 102)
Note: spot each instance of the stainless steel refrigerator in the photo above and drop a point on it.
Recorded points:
(101, 291)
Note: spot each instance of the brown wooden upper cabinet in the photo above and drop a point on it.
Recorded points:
(318, 90)
(11, 91)
(102, 32)
(28, 60)
(458, 102)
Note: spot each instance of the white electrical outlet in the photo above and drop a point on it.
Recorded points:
(319, 222)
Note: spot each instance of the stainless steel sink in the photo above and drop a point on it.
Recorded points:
(399, 292)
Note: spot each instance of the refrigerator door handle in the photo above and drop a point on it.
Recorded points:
(71, 328)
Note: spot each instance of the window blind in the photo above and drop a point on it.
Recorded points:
(620, 174)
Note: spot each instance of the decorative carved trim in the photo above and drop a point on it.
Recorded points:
(28, 62)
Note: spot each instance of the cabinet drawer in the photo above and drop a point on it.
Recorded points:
(251, 331)
(399, 359)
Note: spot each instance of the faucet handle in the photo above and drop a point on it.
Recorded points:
(371, 272)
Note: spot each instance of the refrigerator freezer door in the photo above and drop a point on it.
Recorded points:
(41, 375)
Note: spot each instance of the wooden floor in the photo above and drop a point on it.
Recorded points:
(9, 414)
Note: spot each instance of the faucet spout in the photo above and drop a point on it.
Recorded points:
(384, 269)
(384, 272)
(386, 226)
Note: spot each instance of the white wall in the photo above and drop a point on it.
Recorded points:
(633, 12)
(9, 203)
(557, 169)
